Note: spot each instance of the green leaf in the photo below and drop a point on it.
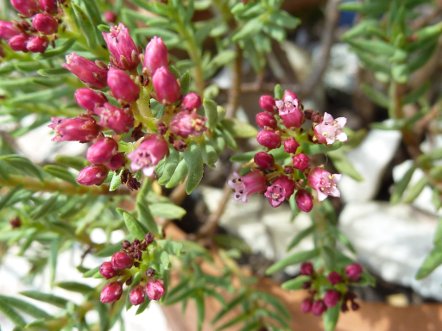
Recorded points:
(24, 307)
(22, 164)
(200, 308)
(331, 317)
(115, 182)
(60, 172)
(401, 185)
(44, 208)
(344, 166)
(235, 302)
(376, 96)
(292, 259)
(300, 236)
(76, 287)
(167, 210)
(240, 129)
(46, 297)
(194, 161)
(431, 262)
(143, 307)
(251, 28)
(59, 50)
(210, 110)
(134, 227)
(145, 217)
(12, 314)
(296, 283)
(415, 190)
(178, 175)
(243, 157)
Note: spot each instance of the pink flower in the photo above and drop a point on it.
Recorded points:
(82, 129)
(118, 119)
(111, 292)
(307, 269)
(318, 308)
(166, 86)
(26, 7)
(101, 151)
(306, 305)
(330, 130)
(137, 296)
(191, 101)
(304, 200)
(280, 190)
(353, 271)
(49, 6)
(18, 42)
(324, 183)
(124, 52)
(122, 86)
(265, 119)
(264, 160)
(107, 271)
(110, 16)
(301, 161)
(331, 298)
(89, 99)
(155, 289)
(185, 124)
(45, 23)
(267, 103)
(116, 162)
(291, 145)
(290, 111)
(155, 55)
(269, 139)
(147, 155)
(86, 70)
(244, 186)
(8, 30)
(121, 260)
(37, 44)
(92, 175)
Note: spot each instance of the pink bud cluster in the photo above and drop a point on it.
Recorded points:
(282, 127)
(37, 27)
(326, 291)
(105, 124)
(120, 269)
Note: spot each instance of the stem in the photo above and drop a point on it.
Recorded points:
(235, 88)
(35, 185)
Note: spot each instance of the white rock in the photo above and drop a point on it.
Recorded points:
(370, 158)
(393, 241)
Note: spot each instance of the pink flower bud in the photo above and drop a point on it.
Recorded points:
(318, 308)
(185, 124)
(18, 42)
(290, 110)
(264, 160)
(324, 183)
(331, 298)
(107, 271)
(307, 269)
(45, 23)
(124, 52)
(92, 175)
(89, 99)
(8, 30)
(82, 129)
(155, 289)
(117, 119)
(137, 296)
(301, 161)
(37, 44)
(166, 86)
(155, 55)
(289, 95)
(244, 186)
(121, 260)
(86, 70)
(111, 292)
(265, 119)
(110, 16)
(334, 278)
(191, 101)
(49, 6)
(291, 145)
(151, 151)
(269, 139)
(102, 150)
(280, 190)
(267, 103)
(353, 272)
(116, 162)
(306, 305)
(122, 86)
(304, 200)
(26, 7)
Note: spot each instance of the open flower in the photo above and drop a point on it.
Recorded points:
(124, 51)
(330, 129)
(280, 190)
(185, 124)
(244, 186)
(290, 111)
(324, 183)
(151, 151)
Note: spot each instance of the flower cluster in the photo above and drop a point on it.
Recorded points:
(129, 118)
(336, 291)
(37, 27)
(282, 124)
(121, 268)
